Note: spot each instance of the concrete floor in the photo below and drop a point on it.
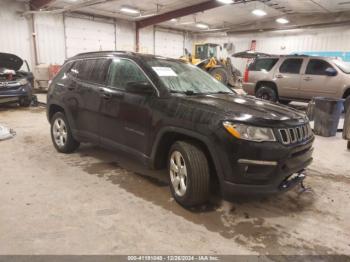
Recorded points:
(96, 202)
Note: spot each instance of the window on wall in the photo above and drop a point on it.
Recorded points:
(122, 72)
(317, 67)
(291, 66)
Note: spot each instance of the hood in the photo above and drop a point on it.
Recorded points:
(250, 109)
(10, 61)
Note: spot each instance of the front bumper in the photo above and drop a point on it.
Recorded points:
(263, 168)
(14, 94)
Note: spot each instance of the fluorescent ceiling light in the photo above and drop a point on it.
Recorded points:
(259, 12)
(129, 10)
(202, 26)
(226, 1)
(282, 21)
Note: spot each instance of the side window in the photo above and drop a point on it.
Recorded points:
(91, 70)
(291, 66)
(81, 70)
(123, 71)
(99, 70)
(263, 64)
(317, 67)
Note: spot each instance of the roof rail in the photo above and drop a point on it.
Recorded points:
(104, 52)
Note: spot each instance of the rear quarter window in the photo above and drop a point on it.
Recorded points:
(263, 64)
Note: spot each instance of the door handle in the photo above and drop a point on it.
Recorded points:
(308, 78)
(279, 76)
(108, 94)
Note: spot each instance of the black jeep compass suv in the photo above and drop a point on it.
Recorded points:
(170, 114)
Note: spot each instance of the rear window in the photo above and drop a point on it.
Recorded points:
(263, 64)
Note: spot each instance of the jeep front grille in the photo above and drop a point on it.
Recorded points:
(296, 134)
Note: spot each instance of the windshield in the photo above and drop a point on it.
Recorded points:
(343, 66)
(180, 77)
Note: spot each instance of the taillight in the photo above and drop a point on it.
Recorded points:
(246, 76)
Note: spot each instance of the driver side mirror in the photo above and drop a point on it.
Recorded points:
(139, 88)
(330, 71)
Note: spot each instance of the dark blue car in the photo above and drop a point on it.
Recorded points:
(16, 85)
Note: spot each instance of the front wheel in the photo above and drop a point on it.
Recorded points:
(61, 134)
(188, 174)
(267, 93)
(220, 74)
(25, 101)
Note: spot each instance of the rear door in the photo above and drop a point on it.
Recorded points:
(316, 82)
(287, 77)
(88, 77)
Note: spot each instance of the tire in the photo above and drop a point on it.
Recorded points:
(25, 101)
(220, 74)
(267, 93)
(195, 174)
(61, 134)
(348, 145)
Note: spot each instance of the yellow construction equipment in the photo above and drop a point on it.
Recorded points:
(214, 59)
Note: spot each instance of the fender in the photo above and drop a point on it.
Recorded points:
(189, 133)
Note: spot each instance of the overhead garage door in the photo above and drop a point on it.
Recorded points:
(169, 44)
(83, 35)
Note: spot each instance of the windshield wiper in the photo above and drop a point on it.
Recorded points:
(187, 92)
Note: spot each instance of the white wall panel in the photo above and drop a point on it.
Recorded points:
(14, 30)
(50, 38)
(84, 35)
(147, 40)
(126, 36)
(169, 43)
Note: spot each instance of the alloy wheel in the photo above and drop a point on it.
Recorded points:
(59, 130)
(178, 173)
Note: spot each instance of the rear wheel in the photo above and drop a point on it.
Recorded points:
(188, 174)
(61, 134)
(267, 93)
(220, 74)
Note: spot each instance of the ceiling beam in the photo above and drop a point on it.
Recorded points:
(178, 13)
(39, 4)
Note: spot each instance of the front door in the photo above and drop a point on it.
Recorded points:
(288, 77)
(316, 82)
(126, 117)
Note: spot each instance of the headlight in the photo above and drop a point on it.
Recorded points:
(251, 133)
(23, 82)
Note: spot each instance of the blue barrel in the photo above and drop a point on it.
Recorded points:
(327, 114)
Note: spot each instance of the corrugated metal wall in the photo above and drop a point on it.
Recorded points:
(288, 42)
(169, 43)
(14, 30)
(83, 35)
(50, 38)
(147, 40)
(125, 36)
